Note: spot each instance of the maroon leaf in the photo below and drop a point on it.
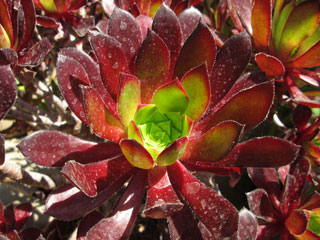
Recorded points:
(92, 178)
(119, 223)
(261, 152)
(60, 148)
(9, 218)
(231, 61)
(248, 225)
(189, 19)
(240, 13)
(301, 116)
(152, 65)
(8, 90)
(162, 201)
(300, 171)
(123, 27)
(87, 222)
(111, 60)
(166, 25)
(183, 226)
(199, 48)
(214, 211)
(22, 212)
(36, 54)
(2, 149)
(13, 235)
(145, 24)
(102, 26)
(68, 202)
(8, 56)
(3, 226)
(47, 22)
(81, 25)
(31, 233)
(286, 195)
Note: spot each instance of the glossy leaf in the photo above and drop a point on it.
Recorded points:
(270, 65)
(173, 152)
(8, 56)
(145, 24)
(301, 116)
(248, 225)
(261, 23)
(22, 212)
(60, 148)
(136, 154)
(68, 202)
(240, 12)
(199, 48)
(162, 200)
(171, 97)
(88, 222)
(307, 60)
(166, 25)
(231, 60)
(214, 211)
(119, 223)
(123, 27)
(134, 132)
(297, 222)
(8, 89)
(151, 65)
(261, 152)
(6, 18)
(196, 85)
(27, 27)
(189, 19)
(111, 60)
(214, 144)
(102, 122)
(3, 226)
(92, 178)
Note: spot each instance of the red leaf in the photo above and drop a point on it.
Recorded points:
(8, 56)
(3, 226)
(301, 116)
(88, 222)
(124, 28)
(60, 148)
(6, 20)
(261, 152)
(297, 222)
(162, 200)
(189, 19)
(92, 178)
(119, 224)
(248, 225)
(47, 22)
(8, 90)
(2, 149)
(111, 60)
(240, 13)
(31, 233)
(68, 202)
(166, 25)
(22, 212)
(199, 48)
(308, 59)
(145, 24)
(231, 60)
(152, 65)
(270, 65)
(214, 211)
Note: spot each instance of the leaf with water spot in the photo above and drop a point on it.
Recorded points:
(189, 20)
(248, 225)
(8, 90)
(22, 212)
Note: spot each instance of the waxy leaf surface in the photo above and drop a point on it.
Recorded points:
(170, 154)
(60, 148)
(240, 13)
(92, 178)
(88, 222)
(248, 225)
(151, 65)
(22, 212)
(189, 19)
(8, 89)
(270, 65)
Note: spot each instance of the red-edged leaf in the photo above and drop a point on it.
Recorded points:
(307, 76)
(199, 48)
(129, 97)
(183, 226)
(101, 121)
(297, 222)
(240, 13)
(136, 154)
(313, 202)
(270, 65)
(21, 214)
(50, 148)
(261, 23)
(111, 60)
(5, 18)
(151, 65)
(309, 59)
(234, 105)
(166, 25)
(119, 224)
(36, 54)
(8, 89)
(267, 178)
(8, 56)
(171, 153)
(162, 200)
(286, 200)
(214, 211)
(88, 222)
(2, 149)
(80, 25)
(301, 116)
(196, 84)
(108, 6)
(27, 25)
(134, 132)
(231, 60)
(145, 24)
(123, 27)
(248, 225)
(260, 205)
(182, 5)
(261, 152)
(92, 178)
(214, 144)
(68, 202)
(189, 19)
(47, 22)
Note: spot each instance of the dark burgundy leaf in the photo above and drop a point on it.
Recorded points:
(81, 25)
(9, 218)
(2, 149)
(3, 226)
(119, 223)
(31, 233)
(47, 22)
(300, 171)
(240, 13)
(145, 24)
(8, 89)
(27, 24)
(248, 225)
(88, 222)
(301, 116)
(8, 56)
(21, 214)
(60, 148)
(189, 19)
(286, 200)
(13, 235)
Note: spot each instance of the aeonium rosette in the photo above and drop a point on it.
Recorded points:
(168, 103)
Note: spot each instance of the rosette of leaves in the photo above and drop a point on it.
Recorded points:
(291, 210)
(168, 103)
(286, 37)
